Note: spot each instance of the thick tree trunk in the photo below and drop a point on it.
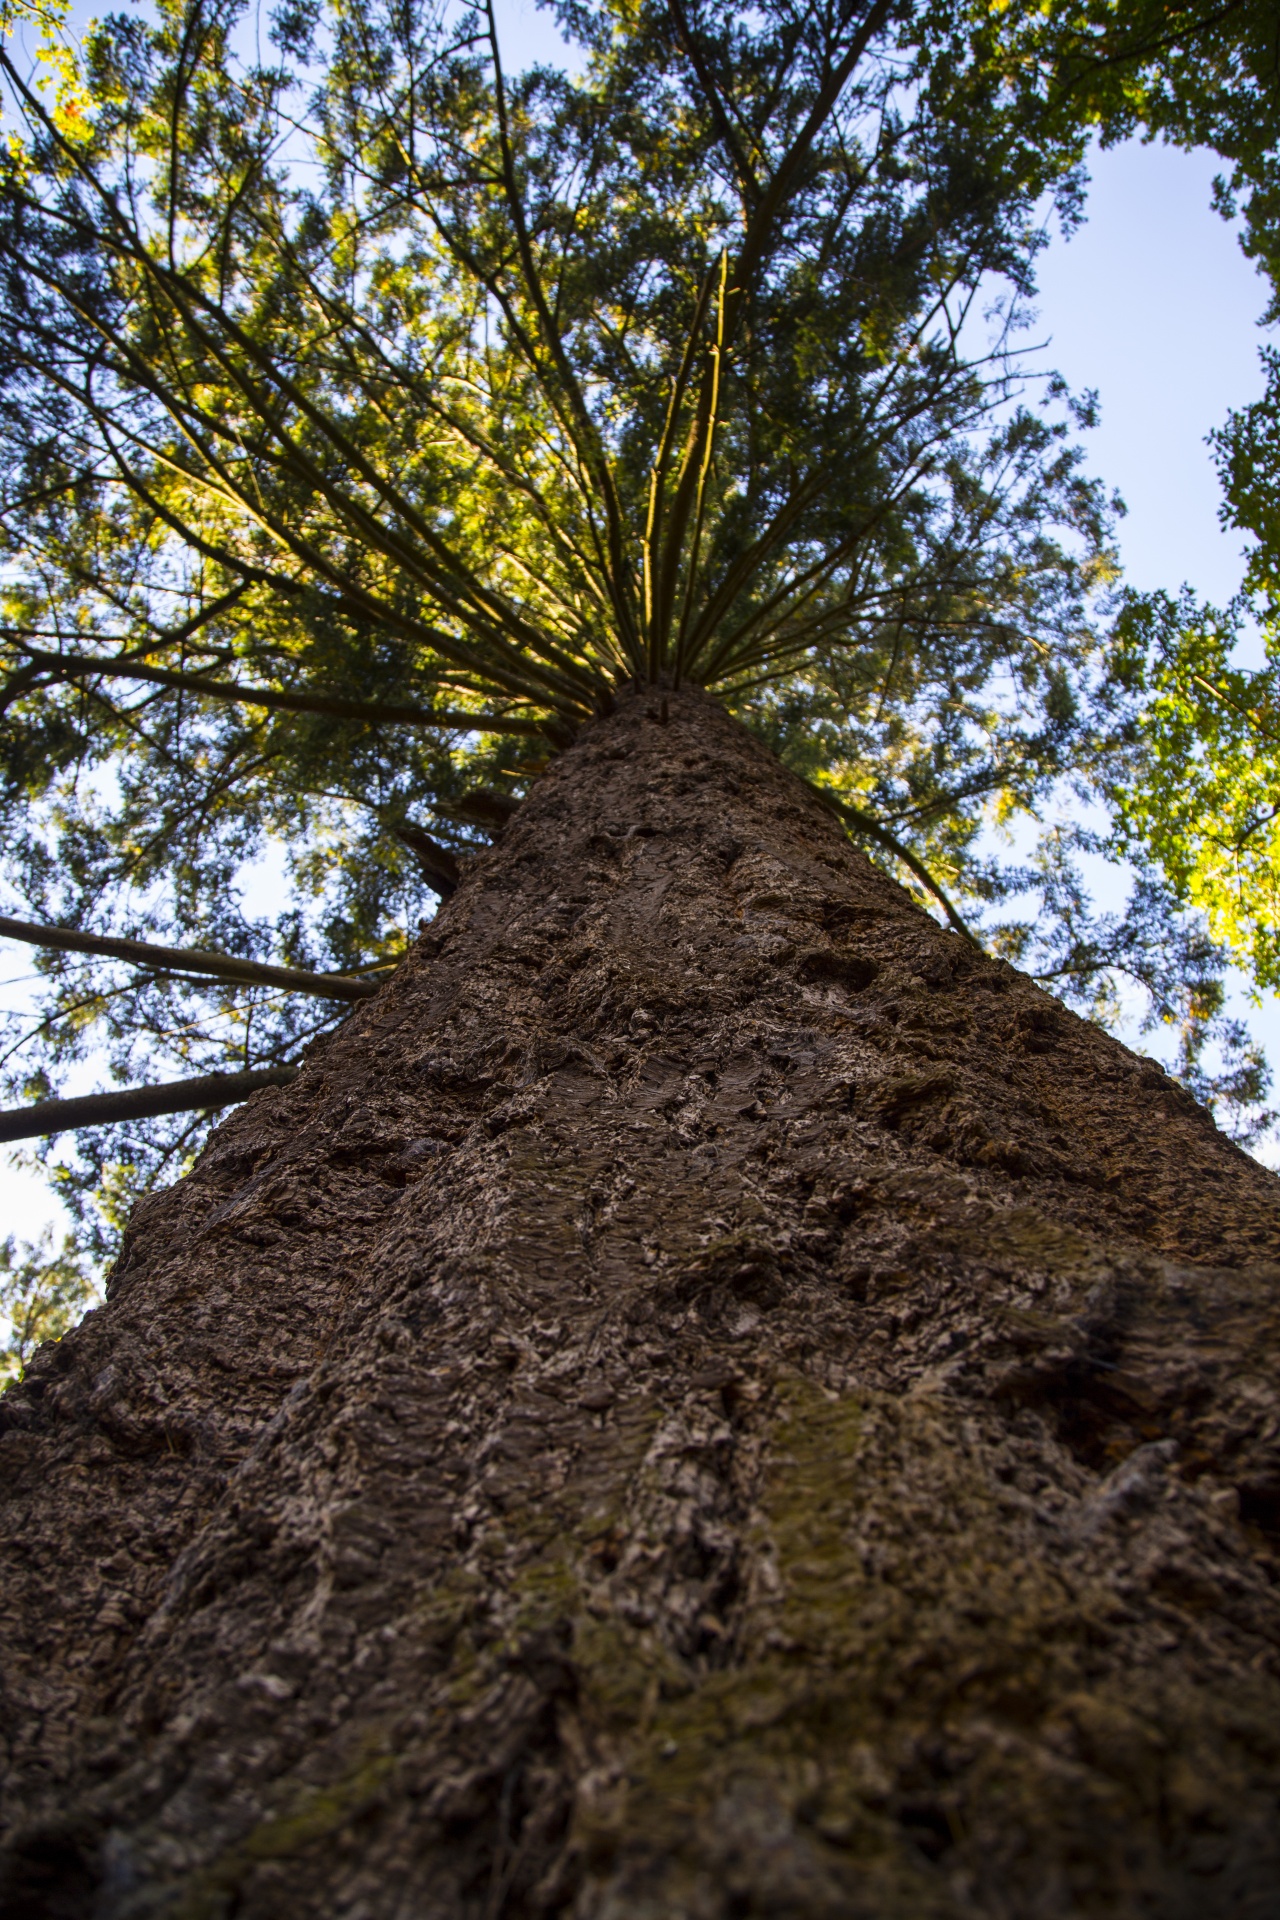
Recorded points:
(707, 1398)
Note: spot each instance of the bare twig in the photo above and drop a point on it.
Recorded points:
(863, 823)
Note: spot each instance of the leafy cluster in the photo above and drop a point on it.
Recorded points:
(1194, 792)
(1199, 790)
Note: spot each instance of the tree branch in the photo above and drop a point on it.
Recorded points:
(776, 193)
(378, 713)
(211, 1091)
(594, 447)
(863, 823)
(439, 867)
(220, 966)
(690, 45)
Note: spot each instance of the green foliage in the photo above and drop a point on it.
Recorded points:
(1192, 782)
(42, 1294)
(1199, 789)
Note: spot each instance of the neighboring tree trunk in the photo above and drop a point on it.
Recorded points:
(707, 1398)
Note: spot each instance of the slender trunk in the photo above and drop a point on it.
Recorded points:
(707, 1398)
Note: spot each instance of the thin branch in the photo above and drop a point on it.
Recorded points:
(1092, 63)
(1252, 714)
(661, 458)
(863, 823)
(221, 966)
(689, 492)
(751, 191)
(780, 187)
(376, 713)
(205, 1094)
(596, 455)
(440, 868)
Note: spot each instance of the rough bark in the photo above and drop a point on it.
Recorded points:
(707, 1398)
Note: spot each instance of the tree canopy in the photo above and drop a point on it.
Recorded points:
(370, 415)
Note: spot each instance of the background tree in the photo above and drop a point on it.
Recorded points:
(1198, 75)
(43, 1292)
(1194, 792)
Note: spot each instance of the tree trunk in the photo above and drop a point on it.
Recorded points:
(707, 1398)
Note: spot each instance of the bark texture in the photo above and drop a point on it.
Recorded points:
(708, 1398)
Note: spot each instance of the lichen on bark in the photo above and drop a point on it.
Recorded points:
(708, 1398)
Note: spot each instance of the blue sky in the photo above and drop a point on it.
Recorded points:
(1152, 303)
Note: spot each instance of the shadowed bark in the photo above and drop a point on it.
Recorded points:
(707, 1398)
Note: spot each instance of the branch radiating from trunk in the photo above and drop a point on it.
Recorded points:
(374, 713)
(190, 960)
(860, 821)
(481, 807)
(439, 868)
(206, 1093)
